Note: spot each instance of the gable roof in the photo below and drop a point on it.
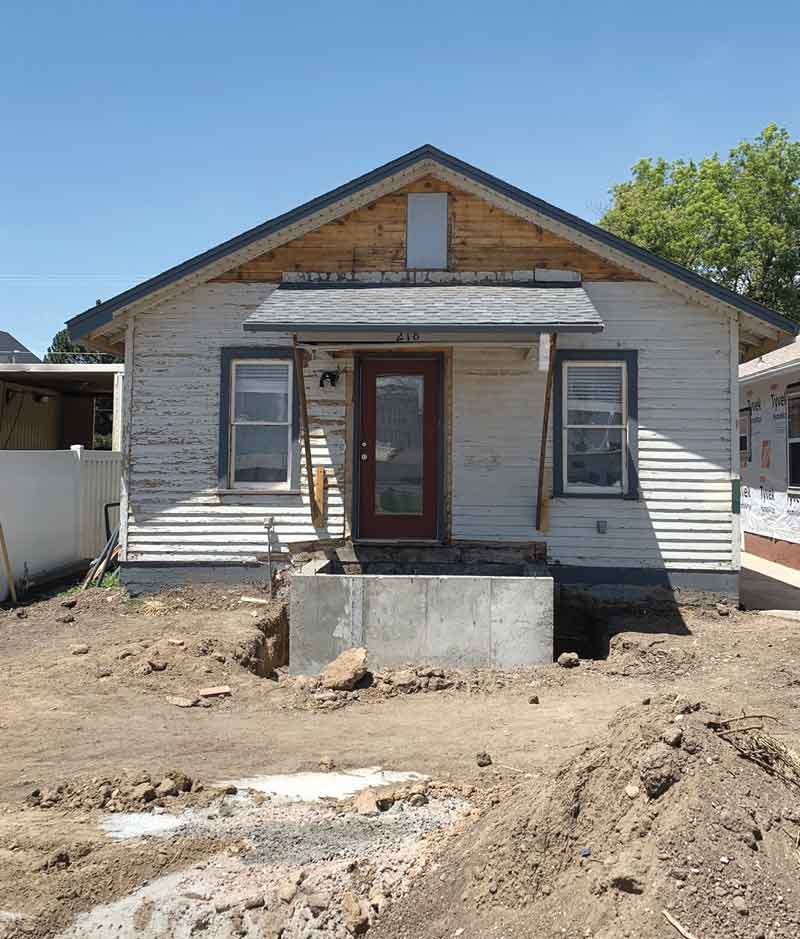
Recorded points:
(12, 350)
(102, 313)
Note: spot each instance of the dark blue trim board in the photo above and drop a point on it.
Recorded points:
(79, 326)
(631, 359)
(228, 355)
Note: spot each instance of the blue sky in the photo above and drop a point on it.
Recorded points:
(134, 135)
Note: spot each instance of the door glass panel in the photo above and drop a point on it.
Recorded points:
(399, 407)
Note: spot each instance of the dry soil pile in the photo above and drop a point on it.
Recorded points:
(663, 814)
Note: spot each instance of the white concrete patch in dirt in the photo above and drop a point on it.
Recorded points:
(311, 787)
(291, 869)
(124, 825)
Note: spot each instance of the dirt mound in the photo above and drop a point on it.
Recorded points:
(132, 792)
(653, 656)
(664, 813)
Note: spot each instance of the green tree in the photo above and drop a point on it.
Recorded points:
(62, 350)
(734, 220)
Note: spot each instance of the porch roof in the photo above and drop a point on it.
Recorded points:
(353, 307)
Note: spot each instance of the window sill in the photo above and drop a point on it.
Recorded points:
(257, 492)
(618, 496)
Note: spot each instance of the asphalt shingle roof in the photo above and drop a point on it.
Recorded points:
(9, 346)
(457, 307)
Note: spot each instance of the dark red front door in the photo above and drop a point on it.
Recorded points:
(398, 447)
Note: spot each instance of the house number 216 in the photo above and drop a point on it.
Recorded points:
(407, 337)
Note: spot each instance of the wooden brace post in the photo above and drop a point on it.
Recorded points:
(299, 368)
(541, 523)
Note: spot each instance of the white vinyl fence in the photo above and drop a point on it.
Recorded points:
(51, 508)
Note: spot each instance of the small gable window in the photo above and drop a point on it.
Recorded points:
(258, 421)
(426, 230)
(595, 415)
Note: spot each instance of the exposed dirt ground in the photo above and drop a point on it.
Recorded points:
(99, 723)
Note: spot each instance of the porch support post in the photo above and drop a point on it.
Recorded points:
(541, 519)
(299, 368)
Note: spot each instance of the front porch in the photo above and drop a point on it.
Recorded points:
(446, 433)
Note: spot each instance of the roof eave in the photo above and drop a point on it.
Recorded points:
(435, 328)
(92, 319)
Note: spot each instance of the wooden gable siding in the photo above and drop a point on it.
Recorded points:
(683, 518)
(481, 237)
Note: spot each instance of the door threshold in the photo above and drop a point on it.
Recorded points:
(401, 542)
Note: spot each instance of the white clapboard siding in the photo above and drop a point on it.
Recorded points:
(175, 509)
(682, 520)
(683, 517)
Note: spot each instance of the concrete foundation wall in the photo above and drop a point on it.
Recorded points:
(450, 620)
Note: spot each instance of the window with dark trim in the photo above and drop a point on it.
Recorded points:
(595, 424)
(793, 438)
(745, 438)
(259, 421)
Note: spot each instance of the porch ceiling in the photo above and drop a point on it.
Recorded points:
(359, 307)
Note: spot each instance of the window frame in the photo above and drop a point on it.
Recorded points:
(628, 359)
(793, 487)
(746, 455)
(230, 359)
(429, 232)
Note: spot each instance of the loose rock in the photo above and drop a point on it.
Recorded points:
(80, 649)
(355, 913)
(180, 702)
(344, 673)
(144, 792)
(366, 802)
(318, 902)
(569, 660)
(483, 758)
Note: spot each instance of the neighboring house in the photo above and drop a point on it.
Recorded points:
(425, 299)
(769, 445)
(12, 351)
(46, 406)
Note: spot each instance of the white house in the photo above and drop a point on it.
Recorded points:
(429, 355)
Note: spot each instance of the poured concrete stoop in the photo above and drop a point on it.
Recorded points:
(457, 619)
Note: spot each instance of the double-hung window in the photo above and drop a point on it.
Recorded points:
(258, 433)
(793, 438)
(595, 409)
